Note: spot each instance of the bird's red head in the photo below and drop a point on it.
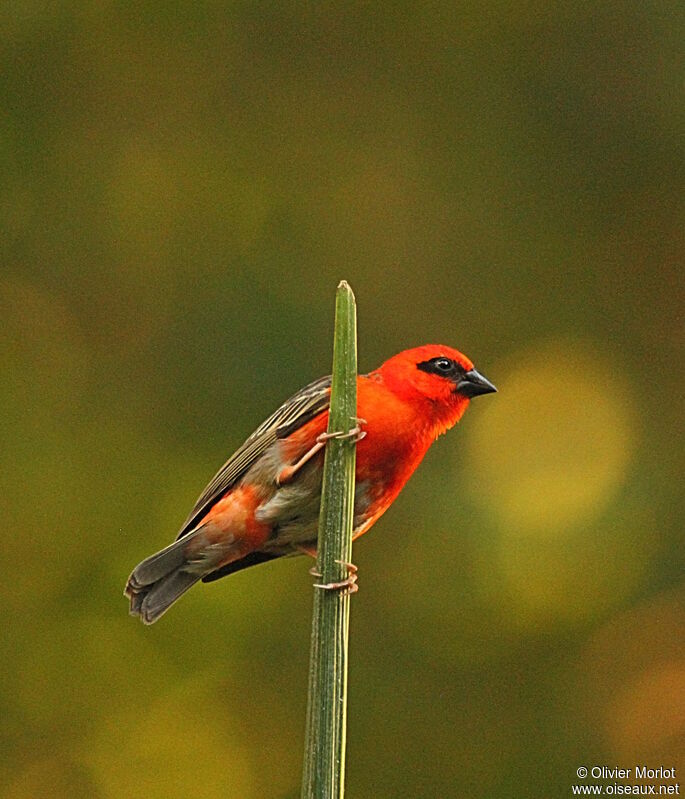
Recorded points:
(437, 374)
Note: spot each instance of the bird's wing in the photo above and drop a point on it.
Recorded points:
(295, 412)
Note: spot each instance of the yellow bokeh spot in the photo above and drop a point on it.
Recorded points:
(553, 447)
(648, 714)
(545, 581)
(630, 682)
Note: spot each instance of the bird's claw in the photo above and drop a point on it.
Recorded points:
(356, 433)
(349, 583)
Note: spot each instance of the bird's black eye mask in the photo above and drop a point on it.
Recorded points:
(443, 367)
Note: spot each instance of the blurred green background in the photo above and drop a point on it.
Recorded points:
(183, 186)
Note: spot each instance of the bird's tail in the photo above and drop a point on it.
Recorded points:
(158, 581)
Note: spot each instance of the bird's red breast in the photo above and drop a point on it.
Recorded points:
(404, 410)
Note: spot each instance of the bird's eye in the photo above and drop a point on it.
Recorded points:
(441, 366)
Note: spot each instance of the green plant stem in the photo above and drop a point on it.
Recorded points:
(324, 755)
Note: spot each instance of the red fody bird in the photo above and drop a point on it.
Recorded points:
(264, 501)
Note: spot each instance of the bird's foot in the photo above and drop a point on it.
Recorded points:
(356, 433)
(349, 584)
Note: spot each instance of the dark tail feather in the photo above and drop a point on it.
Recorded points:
(158, 581)
(151, 602)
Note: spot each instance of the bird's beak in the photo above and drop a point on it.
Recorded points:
(473, 383)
